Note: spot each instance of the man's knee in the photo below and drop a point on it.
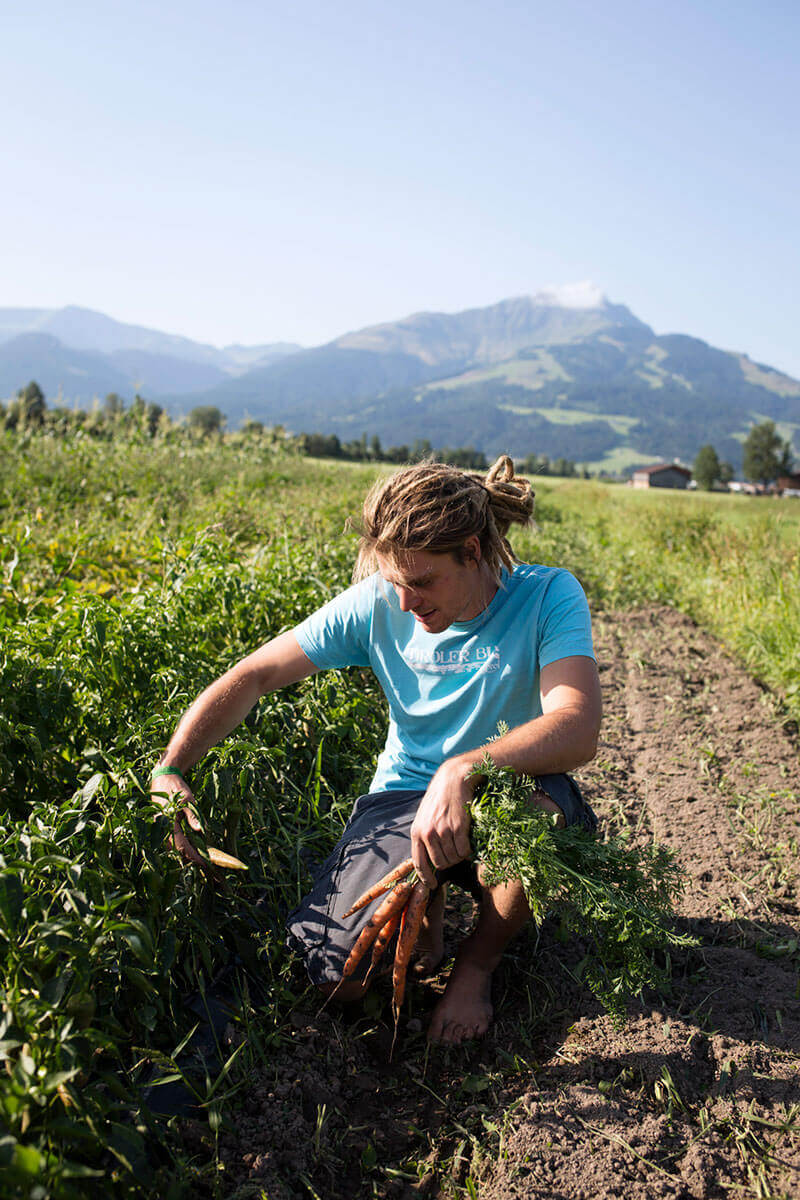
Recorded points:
(540, 799)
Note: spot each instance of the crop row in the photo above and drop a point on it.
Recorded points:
(103, 935)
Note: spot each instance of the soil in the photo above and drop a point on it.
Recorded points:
(697, 1095)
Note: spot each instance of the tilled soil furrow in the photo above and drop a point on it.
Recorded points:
(700, 1093)
(706, 760)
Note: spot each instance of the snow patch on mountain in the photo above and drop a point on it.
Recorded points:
(571, 295)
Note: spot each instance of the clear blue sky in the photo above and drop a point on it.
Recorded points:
(257, 172)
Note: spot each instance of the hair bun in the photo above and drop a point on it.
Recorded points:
(501, 471)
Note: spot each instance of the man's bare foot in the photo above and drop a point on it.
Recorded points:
(430, 944)
(465, 1010)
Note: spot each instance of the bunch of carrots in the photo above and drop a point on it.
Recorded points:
(618, 897)
(403, 910)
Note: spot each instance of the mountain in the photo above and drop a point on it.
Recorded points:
(564, 373)
(61, 374)
(497, 333)
(142, 360)
(377, 365)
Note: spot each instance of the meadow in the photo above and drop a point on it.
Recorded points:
(134, 572)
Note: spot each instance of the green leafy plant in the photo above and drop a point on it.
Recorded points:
(617, 895)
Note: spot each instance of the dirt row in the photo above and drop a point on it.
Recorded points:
(702, 1091)
(699, 1093)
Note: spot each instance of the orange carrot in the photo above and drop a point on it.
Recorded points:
(383, 939)
(383, 913)
(409, 933)
(383, 885)
(220, 859)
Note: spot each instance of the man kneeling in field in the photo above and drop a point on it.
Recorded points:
(461, 638)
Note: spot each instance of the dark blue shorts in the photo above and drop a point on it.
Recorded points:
(376, 838)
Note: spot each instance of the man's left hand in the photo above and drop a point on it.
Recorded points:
(440, 833)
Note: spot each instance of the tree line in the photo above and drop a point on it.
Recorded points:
(765, 458)
(323, 445)
(28, 411)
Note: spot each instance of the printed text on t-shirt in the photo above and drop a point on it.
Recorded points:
(453, 662)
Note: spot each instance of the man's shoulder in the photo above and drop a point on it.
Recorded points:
(352, 602)
(535, 575)
(545, 588)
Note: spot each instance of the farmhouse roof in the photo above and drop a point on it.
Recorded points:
(663, 467)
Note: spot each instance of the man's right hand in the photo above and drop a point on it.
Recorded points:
(212, 716)
(174, 795)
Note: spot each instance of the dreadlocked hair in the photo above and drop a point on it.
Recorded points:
(436, 507)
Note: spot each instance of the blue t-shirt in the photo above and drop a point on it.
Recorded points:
(448, 691)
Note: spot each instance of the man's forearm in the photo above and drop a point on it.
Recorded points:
(225, 703)
(212, 716)
(555, 742)
(564, 736)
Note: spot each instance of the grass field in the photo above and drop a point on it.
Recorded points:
(133, 574)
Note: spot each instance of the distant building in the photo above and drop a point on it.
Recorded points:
(746, 489)
(788, 483)
(784, 485)
(664, 475)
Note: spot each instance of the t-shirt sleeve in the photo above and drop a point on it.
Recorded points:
(337, 635)
(565, 626)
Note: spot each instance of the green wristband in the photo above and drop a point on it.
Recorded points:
(167, 771)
